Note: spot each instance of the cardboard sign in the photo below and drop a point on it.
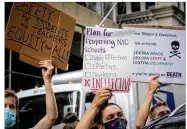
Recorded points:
(108, 58)
(38, 32)
(159, 51)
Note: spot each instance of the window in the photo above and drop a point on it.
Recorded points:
(89, 98)
(135, 6)
(150, 5)
(82, 3)
(184, 8)
(178, 5)
(107, 7)
(35, 108)
(121, 8)
(91, 6)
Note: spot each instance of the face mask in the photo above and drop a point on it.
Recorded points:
(116, 124)
(10, 118)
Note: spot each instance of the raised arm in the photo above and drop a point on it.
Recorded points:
(51, 107)
(101, 96)
(143, 112)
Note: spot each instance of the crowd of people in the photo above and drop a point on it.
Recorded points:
(100, 115)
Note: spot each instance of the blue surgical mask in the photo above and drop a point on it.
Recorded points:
(10, 118)
(116, 124)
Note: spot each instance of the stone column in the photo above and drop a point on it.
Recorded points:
(128, 8)
(181, 6)
(142, 6)
(99, 8)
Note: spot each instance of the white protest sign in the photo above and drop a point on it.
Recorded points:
(108, 56)
(159, 52)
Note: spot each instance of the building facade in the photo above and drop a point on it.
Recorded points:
(22, 76)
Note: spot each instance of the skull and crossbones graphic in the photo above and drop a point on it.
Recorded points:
(175, 46)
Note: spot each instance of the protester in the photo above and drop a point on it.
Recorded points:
(11, 102)
(70, 121)
(94, 125)
(109, 115)
(157, 110)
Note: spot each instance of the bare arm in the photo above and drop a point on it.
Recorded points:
(51, 107)
(143, 112)
(101, 96)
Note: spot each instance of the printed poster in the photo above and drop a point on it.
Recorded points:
(159, 52)
(108, 58)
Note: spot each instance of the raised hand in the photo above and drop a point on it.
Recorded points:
(47, 68)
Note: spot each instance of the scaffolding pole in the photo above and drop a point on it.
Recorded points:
(10, 69)
(108, 14)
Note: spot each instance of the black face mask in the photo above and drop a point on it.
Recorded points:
(116, 124)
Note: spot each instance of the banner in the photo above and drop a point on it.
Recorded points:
(38, 32)
(108, 58)
(159, 51)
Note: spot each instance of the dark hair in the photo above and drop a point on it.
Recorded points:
(11, 93)
(94, 125)
(70, 125)
(100, 112)
(70, 118)
(155, 106)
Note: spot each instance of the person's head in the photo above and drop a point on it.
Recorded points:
(70, 121)
(11, 108)
(70, 118)
(111, 116)
(70, 125)
(94, 125)
(159, 110)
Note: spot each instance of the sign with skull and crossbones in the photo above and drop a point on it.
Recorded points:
(175, 46)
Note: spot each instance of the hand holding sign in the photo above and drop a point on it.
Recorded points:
(102, 95)
(47, 68)
(153, 84)
(38, 31)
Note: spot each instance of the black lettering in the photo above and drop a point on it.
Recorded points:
(55, 50)
(50, 13)
(34, 28)
(37, 10)
(24, 36)
(31, 6)
(62, 41)
(29, 44)
(25, 5)
(43, 33)
(38, 21)
(45, 25)
(42, 44)
(43, 11)
(18, 4)
(55, 38)
(67, 55)
(53, 29)
(49, 27)
(47, 34)
(51, 36)
(59, 54)
(39, 31)
(10, 31)
(18, 34)
(36, 41)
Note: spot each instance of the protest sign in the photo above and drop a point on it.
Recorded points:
(159, 51)
(108, 58)
(37, 32)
